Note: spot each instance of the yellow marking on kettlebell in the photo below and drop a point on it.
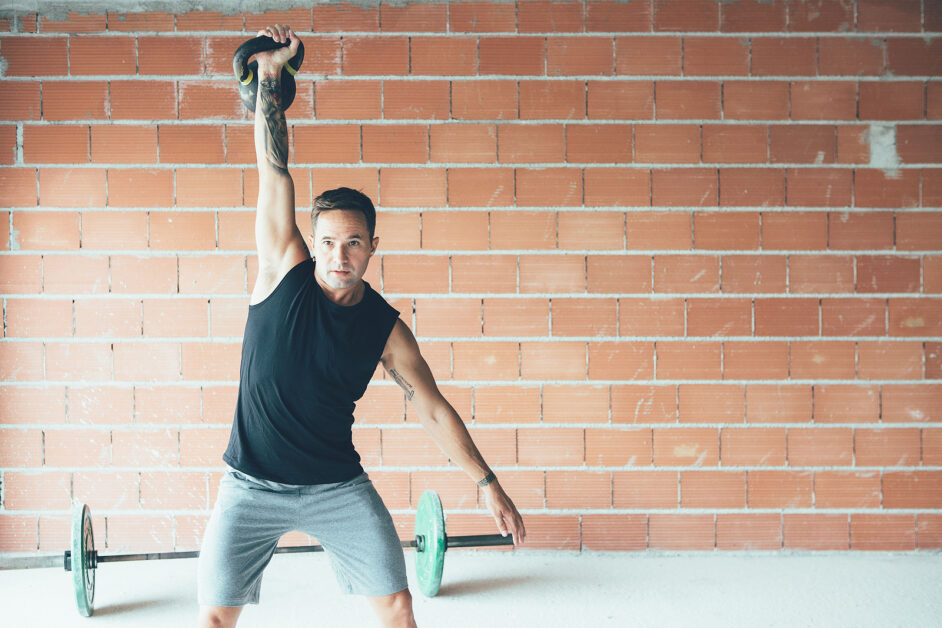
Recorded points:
(248, 79)
(291, 70)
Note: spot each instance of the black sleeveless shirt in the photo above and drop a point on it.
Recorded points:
(305, 361)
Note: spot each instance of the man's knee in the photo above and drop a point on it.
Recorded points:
(395, 609)
(219, 616)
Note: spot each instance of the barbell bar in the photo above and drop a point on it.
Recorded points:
(430, 543)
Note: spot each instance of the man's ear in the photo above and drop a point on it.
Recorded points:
(375, 244)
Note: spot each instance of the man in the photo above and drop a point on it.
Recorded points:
(314, 334)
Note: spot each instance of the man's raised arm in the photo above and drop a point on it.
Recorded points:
(280, 244)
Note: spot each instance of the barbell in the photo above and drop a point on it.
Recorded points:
(430, 543)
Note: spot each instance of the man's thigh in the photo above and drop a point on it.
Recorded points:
(353, 524)
(240, 538)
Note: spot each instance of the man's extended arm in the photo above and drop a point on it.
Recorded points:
(405, 364)
(280, 244)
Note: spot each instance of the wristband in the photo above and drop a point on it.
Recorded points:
(490, 477)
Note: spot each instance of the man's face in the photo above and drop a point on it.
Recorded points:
(342, 247)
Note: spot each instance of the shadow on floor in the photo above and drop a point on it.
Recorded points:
(130, 607)
(482, 585)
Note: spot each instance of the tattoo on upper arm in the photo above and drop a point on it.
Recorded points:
(406, 386)
(276, 139)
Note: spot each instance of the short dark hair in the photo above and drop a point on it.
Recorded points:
(344, 198)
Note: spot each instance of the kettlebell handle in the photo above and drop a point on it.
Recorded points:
(262, 44)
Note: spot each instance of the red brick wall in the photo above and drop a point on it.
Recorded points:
(675, 262)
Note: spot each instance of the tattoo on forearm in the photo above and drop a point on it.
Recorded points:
(406, 386)
(276, 139)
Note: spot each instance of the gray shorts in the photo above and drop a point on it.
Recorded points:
(348, 518)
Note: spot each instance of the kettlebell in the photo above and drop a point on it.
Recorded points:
(247, 75)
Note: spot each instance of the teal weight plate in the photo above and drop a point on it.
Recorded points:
(430, 525)
(83, 545)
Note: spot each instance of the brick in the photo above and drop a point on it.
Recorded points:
(506, 404)
(711, 403)
(755, 360)
(38, 318)
(784, 56)
(64, 274)
(645, 489)
(779, 489)
(860, 230)
(618, 273)
(105, 318)
(753, 447)
(74, 23)
(931, 187)
(719, 317)
(167, 318)
(77, 448)
(753, 15)
(749, 531)
(48, 490)
(483, 187)
(684, 187)
(481, 17)
(774, 403)
(208, 20)
(853, 145)
(919, 143)
(755, 100)
(753, 273)
(584, 317)
(686, 273)
(78, 361)
(725, 143)
(847, 489)
(614, 532)
(146, 362)
(34, 56)
(850, 57)
(169, 55)
(644, 404)
(651, 317)
(102, 55)
(913, 56)
(716, 56)
(33, 405)
(345, 17)
(375, 55)
(725, 231)
(820, 273)
(209, 187)
(647, 56)
(820, 16)
(348, 100)
(892, 447)
(875, 188)
(823, 100)
(549, 186)
(427, 100)
(882, 532)
(210, 360)
(620, 100)
(74, 100)
(452, 230)
(824, 187)
(658, 230)
(124, 144)
(889, 360)
(541, 16)
(686, 446)
(412, 187)
(556, 446)
(578, 489)
(805, 144)
(484, 100)
(22, 274)
(516, 317)
(443, 57)
(182, 230)
(853, 317)
(143, 100)
(687, 100)
(840, 403)
(816, 532)
(21, 448)
(413, 18)
(912, 489)
(750, 187)
(448, 317)
(606, 447)
(916, 231)
(579, 56)
(911, 402)
(903, 16)
(820, 446)
(688, 360)
(822, 360)
(140, 533)
(114, 230)
(166, 404)
(534, 143)
(523, 230)
(786, 317)
(684, 15)
(485, 360)
(899, 101)
(591, 230)
(607, 15)
(463, 143)
(131, 274)
(512, 55)
(605, 143)
(712, 489)
(557, 273)
(50, 231)
(621, 360)
(667, 143)
(144, 21)
(402, 143)
(20, 101)
(884, 273)
(556, 360)
(616, 187)
(552, 99)
(62, 144)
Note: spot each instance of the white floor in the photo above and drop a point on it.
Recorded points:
(527, 588)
